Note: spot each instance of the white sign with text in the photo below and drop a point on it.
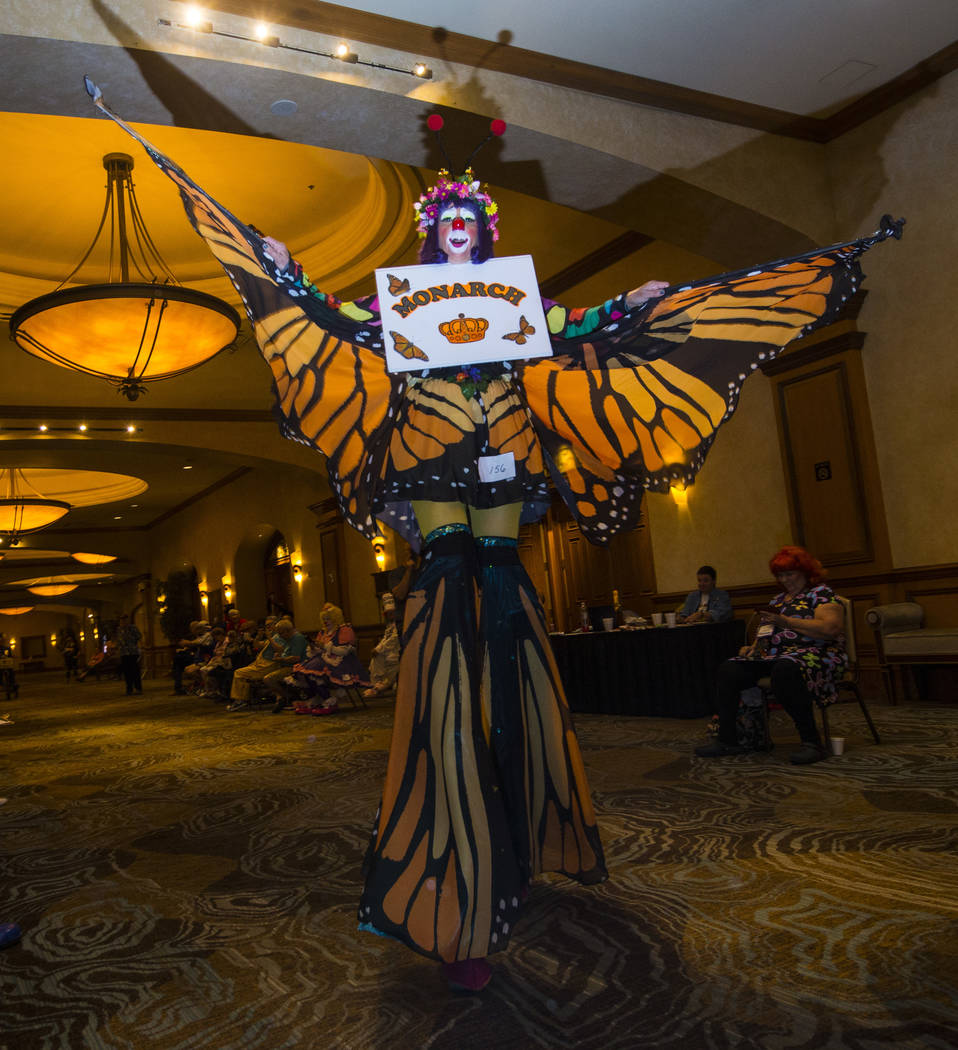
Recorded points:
(442, 315)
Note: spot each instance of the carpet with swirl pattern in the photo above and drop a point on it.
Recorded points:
(187, 878)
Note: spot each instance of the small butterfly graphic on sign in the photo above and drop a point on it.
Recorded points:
(524, 329)
(408, 350)
(397, 287)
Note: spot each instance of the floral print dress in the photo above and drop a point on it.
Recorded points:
(822, 660)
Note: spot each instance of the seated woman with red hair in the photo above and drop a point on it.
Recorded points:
(805, 657)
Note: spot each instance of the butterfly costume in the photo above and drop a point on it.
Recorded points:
(485, 785)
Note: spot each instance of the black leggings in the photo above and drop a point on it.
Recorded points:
(788, 685)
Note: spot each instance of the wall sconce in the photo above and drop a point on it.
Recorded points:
(53, 639)
(82, 636)
(379, 551)
(298, 573)
(227, 592)
(204, 598)
(680, 494)
(13, 643)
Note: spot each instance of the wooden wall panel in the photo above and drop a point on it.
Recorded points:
(823, 466)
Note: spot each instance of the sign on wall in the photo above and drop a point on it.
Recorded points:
(441, 315)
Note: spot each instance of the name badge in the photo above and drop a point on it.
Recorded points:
(497, 468)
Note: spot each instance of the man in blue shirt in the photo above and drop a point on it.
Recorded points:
(707, 604)
(276, 659)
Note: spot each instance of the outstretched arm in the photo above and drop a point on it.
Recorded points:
(644, 293)
(278, 252)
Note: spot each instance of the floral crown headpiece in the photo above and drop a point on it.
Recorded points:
(464, 187)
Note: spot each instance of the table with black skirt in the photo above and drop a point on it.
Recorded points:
(667, 672)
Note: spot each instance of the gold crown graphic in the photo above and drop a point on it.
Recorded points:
(464, 329)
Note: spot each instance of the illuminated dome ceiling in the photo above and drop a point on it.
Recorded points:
(341, 213)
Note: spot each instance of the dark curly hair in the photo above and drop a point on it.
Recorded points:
(429, 250)
(798, 559)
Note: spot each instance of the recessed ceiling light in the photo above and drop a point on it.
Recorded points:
(188, 466)
(43, 426)
(283, 107)
(82, 427)
(117, 517)
(131, 429)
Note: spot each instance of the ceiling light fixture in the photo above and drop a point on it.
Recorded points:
(93, 559)
(22, 508)
(129, 332)
(52, 589)
(262, 35)
(16, 610)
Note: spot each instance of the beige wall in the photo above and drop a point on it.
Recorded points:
(737, 511)
(207, 534)
(904, 162)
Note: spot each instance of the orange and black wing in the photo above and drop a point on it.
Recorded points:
(637, 404)
(332, 389)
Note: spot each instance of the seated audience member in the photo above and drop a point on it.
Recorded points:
(706, 604)
(334, 663)
(197, 674)
(804, 655)
(399, 580)
(103, 661)
(275, 660)
(233, 621)
(384, 663)
(193, 649)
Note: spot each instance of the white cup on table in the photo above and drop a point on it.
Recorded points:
(670, 619)
(657, 619)
(838, 745)
(608, 623)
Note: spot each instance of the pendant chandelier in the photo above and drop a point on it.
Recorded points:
(51, 588)
(22, 508)
(129, 332)
(93, 559)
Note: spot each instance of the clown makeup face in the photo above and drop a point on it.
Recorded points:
(458, 232)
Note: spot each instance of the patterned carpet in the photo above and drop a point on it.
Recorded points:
(187, 878)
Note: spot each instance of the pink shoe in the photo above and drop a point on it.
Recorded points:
(467, 975)
(325, 709)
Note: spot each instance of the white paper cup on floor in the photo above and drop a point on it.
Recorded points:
(608, 623)
(838, 745)
(657, 619)
(670, 619)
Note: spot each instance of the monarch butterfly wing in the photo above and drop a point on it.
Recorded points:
(329, 374)
(334, 396)
(636, 405)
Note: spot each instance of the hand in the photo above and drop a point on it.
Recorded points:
(774, 618)
(277, 251)
(645, 292)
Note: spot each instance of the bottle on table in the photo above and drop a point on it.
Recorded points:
(584, 616)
